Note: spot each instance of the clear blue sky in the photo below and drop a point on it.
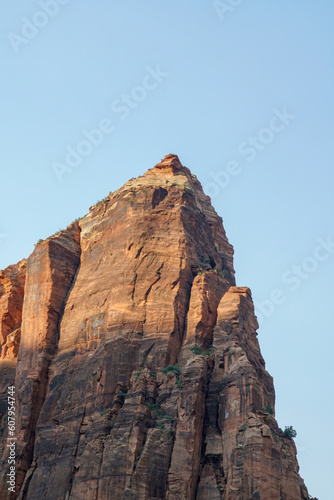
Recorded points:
(243, 94)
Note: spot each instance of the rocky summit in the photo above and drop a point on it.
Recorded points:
(137, 370)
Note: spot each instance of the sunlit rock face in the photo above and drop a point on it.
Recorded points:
(137, 368)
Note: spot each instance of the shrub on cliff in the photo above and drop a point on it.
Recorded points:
(268, 409)
(174, 369)
(290, 432)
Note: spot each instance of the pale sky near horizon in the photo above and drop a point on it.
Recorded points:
(243, 94)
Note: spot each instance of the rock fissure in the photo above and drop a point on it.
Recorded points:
(75, 469)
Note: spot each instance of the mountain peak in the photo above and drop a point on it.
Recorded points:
(170, 162)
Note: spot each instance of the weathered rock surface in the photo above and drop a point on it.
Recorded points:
(245, 456)
(139, 373)
(12, 281)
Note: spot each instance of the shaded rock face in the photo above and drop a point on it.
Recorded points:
(139, 374)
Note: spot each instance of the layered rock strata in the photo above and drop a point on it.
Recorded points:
(139, 374)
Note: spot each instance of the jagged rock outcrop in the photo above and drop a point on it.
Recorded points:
(139, 374)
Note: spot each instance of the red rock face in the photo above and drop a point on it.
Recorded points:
(245, 453)
(139, 372)
(50, 273)
(12, 282)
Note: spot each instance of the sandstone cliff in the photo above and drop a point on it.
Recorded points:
(139, 375)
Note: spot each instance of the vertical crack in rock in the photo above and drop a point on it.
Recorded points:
(26, 482)
(134, 287)
(74, 470)
(181, 307)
